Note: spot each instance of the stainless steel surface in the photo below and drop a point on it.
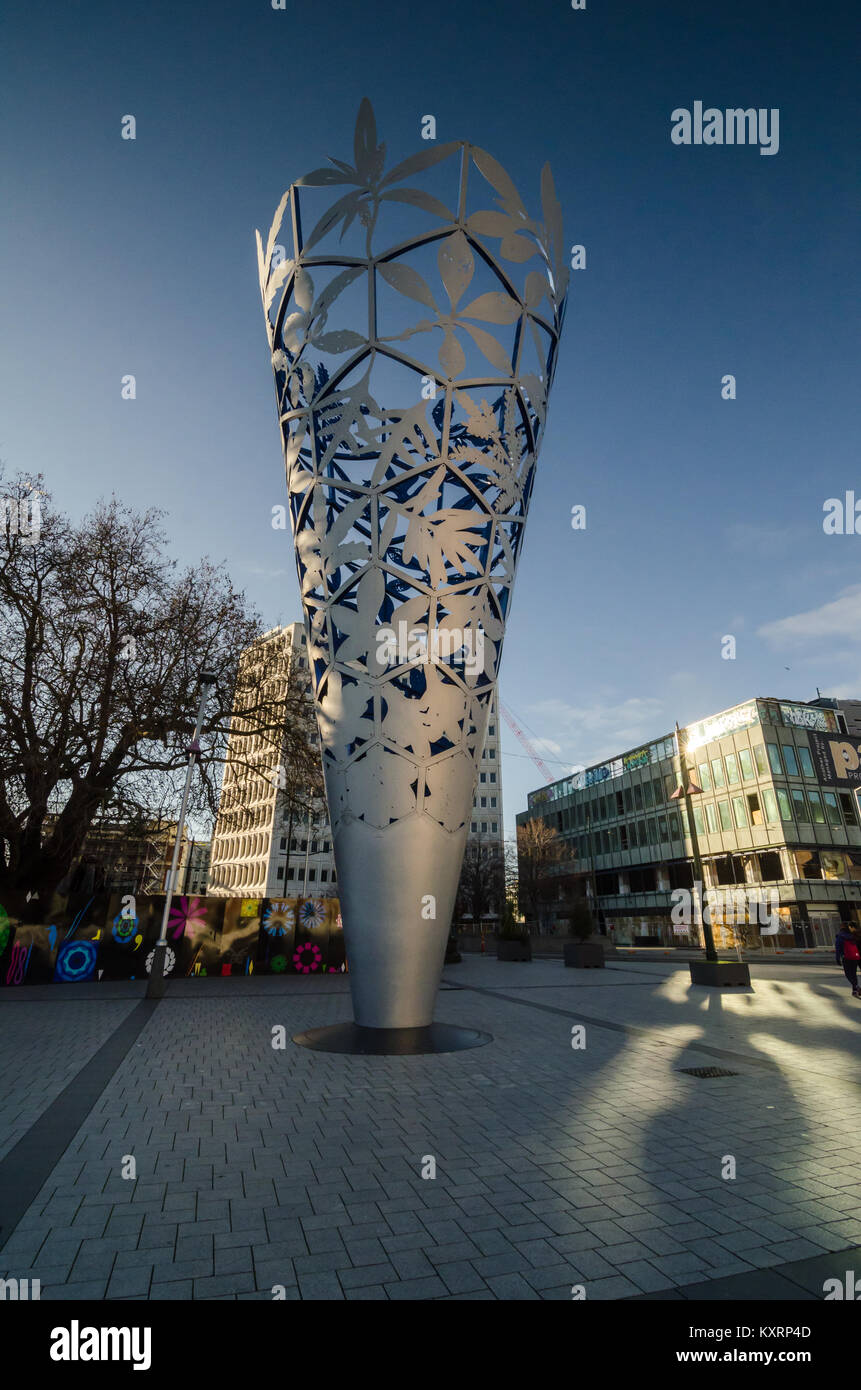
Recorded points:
(413, 334)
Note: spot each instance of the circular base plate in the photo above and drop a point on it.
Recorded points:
(349, 1038)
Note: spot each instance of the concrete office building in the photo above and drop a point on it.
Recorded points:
(250, 855)
(772, 805)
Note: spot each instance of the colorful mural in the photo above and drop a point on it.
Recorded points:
(108, 937)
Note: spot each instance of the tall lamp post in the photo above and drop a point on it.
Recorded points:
(710, 971)
(687, 789)
(155, 987)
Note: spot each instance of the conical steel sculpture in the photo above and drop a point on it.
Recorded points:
(414, 333)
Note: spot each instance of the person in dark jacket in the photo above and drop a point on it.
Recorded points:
(847, 949)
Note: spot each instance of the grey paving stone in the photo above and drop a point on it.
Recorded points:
(320, 1286)
(219, 1286)
(432, 1287)
(129, 1283)
(645, 1276)
(367, 1274)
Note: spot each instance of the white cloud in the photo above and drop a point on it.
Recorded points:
(841, 619)
(592, 733)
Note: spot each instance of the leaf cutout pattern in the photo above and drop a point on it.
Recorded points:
(410, 512)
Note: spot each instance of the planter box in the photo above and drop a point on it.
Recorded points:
(584, 955)
(514, 950)
(720, 972)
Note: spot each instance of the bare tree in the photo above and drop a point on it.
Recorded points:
(481, 889)
(104, 638)
(540, 850)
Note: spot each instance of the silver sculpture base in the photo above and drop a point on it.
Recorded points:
(353, 1040)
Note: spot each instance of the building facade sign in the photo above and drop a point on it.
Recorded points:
(810, 717)
(722, 724)
(639, 758)
(837, 760)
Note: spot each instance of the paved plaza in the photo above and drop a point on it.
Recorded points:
(602, 1166)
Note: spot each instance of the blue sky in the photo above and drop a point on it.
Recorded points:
(704, 516)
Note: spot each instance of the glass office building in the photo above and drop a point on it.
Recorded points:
(772, 806)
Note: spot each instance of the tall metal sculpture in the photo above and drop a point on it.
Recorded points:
(414, 334)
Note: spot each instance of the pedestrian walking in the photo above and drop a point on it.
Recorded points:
(847, 947)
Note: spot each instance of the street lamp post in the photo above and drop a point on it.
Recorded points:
(155, 987)
(686, 790)
(710, 971)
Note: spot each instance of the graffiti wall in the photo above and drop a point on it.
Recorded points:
(108, 937)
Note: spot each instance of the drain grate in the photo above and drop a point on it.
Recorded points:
(707, 1071)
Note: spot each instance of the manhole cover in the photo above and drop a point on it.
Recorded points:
(706, 1071)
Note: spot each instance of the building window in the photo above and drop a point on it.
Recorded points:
(769, 801)
(732, 769)
(761, 760)
(484, 801)
(675, 827)
(493, 827)
(283, 841)
(484, 827)
(567, 813)
(623, 837)
(739, 812)
(717, 772)
(806, 762)
(291, 873)
(745, 763)
(662, 829)
(725, 818)
(847, 808)
(324, 875)
(784, 804)
(774, 759)
(473, 827)
(280, 873)
(704, 777)
(620, 804)
(483, 776)
(493, 776)
(753, 808)
(629, 801)
(491, 730)
(799, 804)
(816, 806)
(790, 760)
(491, 752)
(770, 867)
(832, 809)
(647, 793)
(711, 817)
(638, 796)
(653, 829)
(312, 874)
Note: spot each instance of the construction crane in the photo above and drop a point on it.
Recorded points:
(513, 724)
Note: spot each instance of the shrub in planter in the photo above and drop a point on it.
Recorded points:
(513, 941)
(452, 950)
(580, 952)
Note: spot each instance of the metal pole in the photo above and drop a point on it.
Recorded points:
(307, 852)
(711, 953)
(155, 987)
